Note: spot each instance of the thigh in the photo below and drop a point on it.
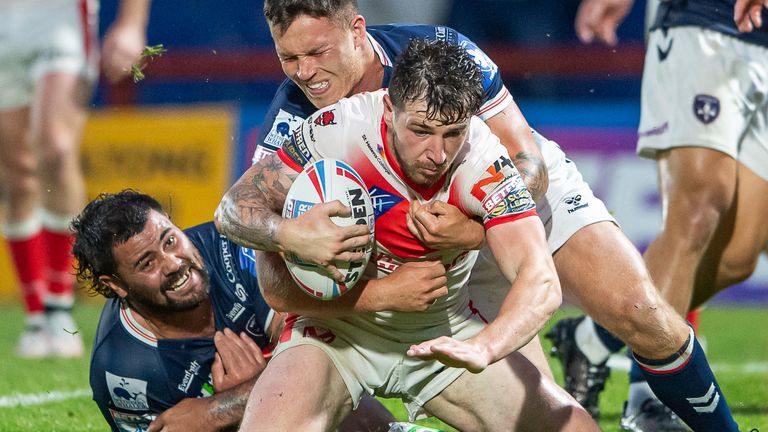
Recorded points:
(59, 111)
(299, 389)
(510, 394)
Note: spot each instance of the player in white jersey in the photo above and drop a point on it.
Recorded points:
(416, 143)
(327, 53)
(707, 132)
(48, 66)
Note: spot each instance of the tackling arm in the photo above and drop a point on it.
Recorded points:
(515, 134)
(413, 287)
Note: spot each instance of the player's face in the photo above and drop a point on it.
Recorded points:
(160, 269)
(424, 148)
(322, 57)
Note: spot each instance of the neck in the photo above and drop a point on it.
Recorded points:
(373, 73)
(197, 322)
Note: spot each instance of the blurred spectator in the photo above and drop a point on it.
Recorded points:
(48, 66)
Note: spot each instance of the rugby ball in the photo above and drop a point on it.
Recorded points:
(324, 181)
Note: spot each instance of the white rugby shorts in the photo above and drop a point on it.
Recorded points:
(42, 37)
(705, 89)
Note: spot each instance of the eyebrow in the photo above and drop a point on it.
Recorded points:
(148, 253)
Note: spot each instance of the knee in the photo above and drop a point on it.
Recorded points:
(696, 228)
(57, 150)
(736, 266)
(20, 172)
(646, 322)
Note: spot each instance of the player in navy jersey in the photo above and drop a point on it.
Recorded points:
(180, 339)
(328, 53)
(707, 132)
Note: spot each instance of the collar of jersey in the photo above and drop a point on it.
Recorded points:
(379, 50)
(426, 193)
(132, 326)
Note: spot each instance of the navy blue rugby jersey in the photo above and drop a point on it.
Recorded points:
(290, 107)
(712, 14)
(134, 376)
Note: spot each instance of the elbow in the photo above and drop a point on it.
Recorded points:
(553, 296)
(219, 217)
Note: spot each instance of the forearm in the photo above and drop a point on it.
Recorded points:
(534, 172)
(282, 294)
(226, 409)
(245, 218)
(527, 308)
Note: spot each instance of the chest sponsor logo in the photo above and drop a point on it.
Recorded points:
(226, 256)
(296, 148)
(127, 393)
(189, 375)
(382, 200)
(281, 128)
(706, 108)
(235, 312)
(325, 118)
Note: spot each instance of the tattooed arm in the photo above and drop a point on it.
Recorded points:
(249, 214)
(515, 134)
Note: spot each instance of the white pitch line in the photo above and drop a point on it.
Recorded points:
(21, 399)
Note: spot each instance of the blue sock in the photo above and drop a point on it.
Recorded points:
(684, 382)
(610, 341)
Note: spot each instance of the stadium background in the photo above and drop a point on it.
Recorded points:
(188, 130)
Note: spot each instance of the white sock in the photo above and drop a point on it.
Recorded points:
(589, 342)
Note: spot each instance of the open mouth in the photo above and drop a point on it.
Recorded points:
(317, 86)
(181, 281)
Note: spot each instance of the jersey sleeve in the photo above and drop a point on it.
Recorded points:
(287, 110)
(497, 97)
(321, 135)
(489, 185)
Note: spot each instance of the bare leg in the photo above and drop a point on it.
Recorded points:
(738, 241)
(511, 394)
(300, 390)
(697, 187)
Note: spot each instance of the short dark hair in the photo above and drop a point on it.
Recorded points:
(108, 220)
(280, 14)
(441, 74)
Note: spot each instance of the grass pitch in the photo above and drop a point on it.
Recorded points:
(53, 394)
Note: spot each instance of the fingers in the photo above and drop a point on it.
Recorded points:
(335, 208)
(217, 371)
(584, 22)
(253, 348)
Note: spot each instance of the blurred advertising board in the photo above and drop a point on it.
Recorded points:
(180, 155)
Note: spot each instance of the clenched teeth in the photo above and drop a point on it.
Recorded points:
(317, 86)
(179, 283)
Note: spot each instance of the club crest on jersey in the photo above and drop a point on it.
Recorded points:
(382, 200)
(501, 169)
(325, 118)
(127, 393)
(706, 108)
(281, 129)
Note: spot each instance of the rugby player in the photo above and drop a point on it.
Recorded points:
(180, 339)
(328, 53)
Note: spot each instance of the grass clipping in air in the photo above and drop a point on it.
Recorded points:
(149, 53)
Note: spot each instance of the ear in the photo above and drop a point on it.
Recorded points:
(358, 30)
(114, 284)
(388, 111)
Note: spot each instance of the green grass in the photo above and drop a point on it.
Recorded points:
(734, 338)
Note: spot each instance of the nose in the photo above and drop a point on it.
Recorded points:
(436, 150)
(305, 68)
(171, 263)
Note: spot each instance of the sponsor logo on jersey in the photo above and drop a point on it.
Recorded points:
(296, 148)
(706, 108)
(189, 375)
(235, 312)
(496, 173)
(574, 202)
(516, 202)
(127, 393)
(226, 256)
(281, 128)
(131, 422)
(382, 200)
(325, 118)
